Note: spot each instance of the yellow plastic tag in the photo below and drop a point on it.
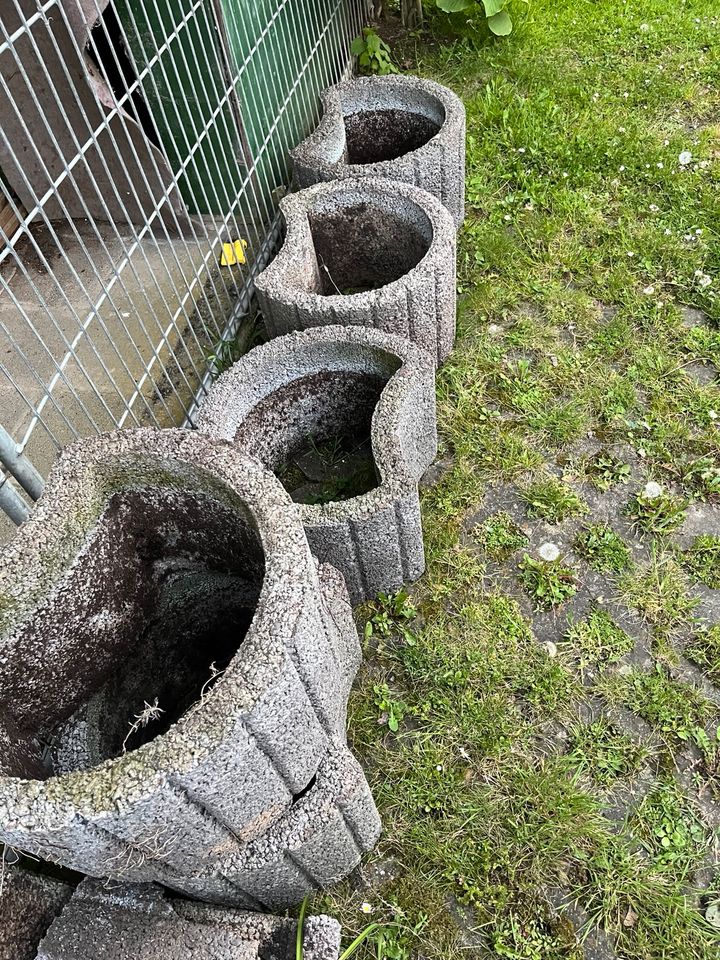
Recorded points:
(233, 253)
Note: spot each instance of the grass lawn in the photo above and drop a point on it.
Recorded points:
(538, 719)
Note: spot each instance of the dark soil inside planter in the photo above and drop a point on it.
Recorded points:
(376, 135)
(363, 247)
(314, 433)
(145, 622)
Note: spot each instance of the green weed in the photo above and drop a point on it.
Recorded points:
(673, 707)
(669, 829)
(702, 560)
(704, 649)
(605, 470)
(603, 752)
(602, 548)
(551, 500)
(549, 583)
(659, 590)
(500, 536)
(597, 639)
(656, 511)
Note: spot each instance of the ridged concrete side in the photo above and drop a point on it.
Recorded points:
(420, 305)
(319, 841)
(139, 922)
(262, 404)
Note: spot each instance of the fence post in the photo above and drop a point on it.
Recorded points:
(11, 502)
(16, 463)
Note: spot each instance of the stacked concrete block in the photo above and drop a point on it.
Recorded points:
(174, 665)
(318, 842)
(29, 902)
(317, 384)
(367, 252)
(139, 922)
(399, 127)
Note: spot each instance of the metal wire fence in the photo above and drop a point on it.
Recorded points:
(143, 151)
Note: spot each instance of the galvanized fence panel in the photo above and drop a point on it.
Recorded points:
(138, 137)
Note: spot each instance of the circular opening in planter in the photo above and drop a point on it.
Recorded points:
(314, 433)
(366, 245)
(170, 579)
(376, 135)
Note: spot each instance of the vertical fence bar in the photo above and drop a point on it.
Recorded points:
(11, 502)
(19, 466)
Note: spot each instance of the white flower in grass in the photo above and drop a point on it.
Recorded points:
(703, 279)
(652, 490)
(550, 648)
(549, 551)
(649, 291)
(684, 158)
(366, 907)
(654, 208)
(712, 414)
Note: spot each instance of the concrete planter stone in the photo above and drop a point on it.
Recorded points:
(29, 902)
(403, 128)
(364, 252)
(139, 922)
(318, 842)
(163, 569)
(305, 390)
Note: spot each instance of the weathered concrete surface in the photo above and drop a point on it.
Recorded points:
(163, 567)
(29, 902)
(365, 252)
(139, 922)
(322, 383)
(320, 840)
(403, 128)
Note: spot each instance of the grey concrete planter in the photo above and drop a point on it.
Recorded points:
(318, 842)
(163, 564)
(305, 390)
(29, 902)
(366, 252)
(138, 922)
(403, 128)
